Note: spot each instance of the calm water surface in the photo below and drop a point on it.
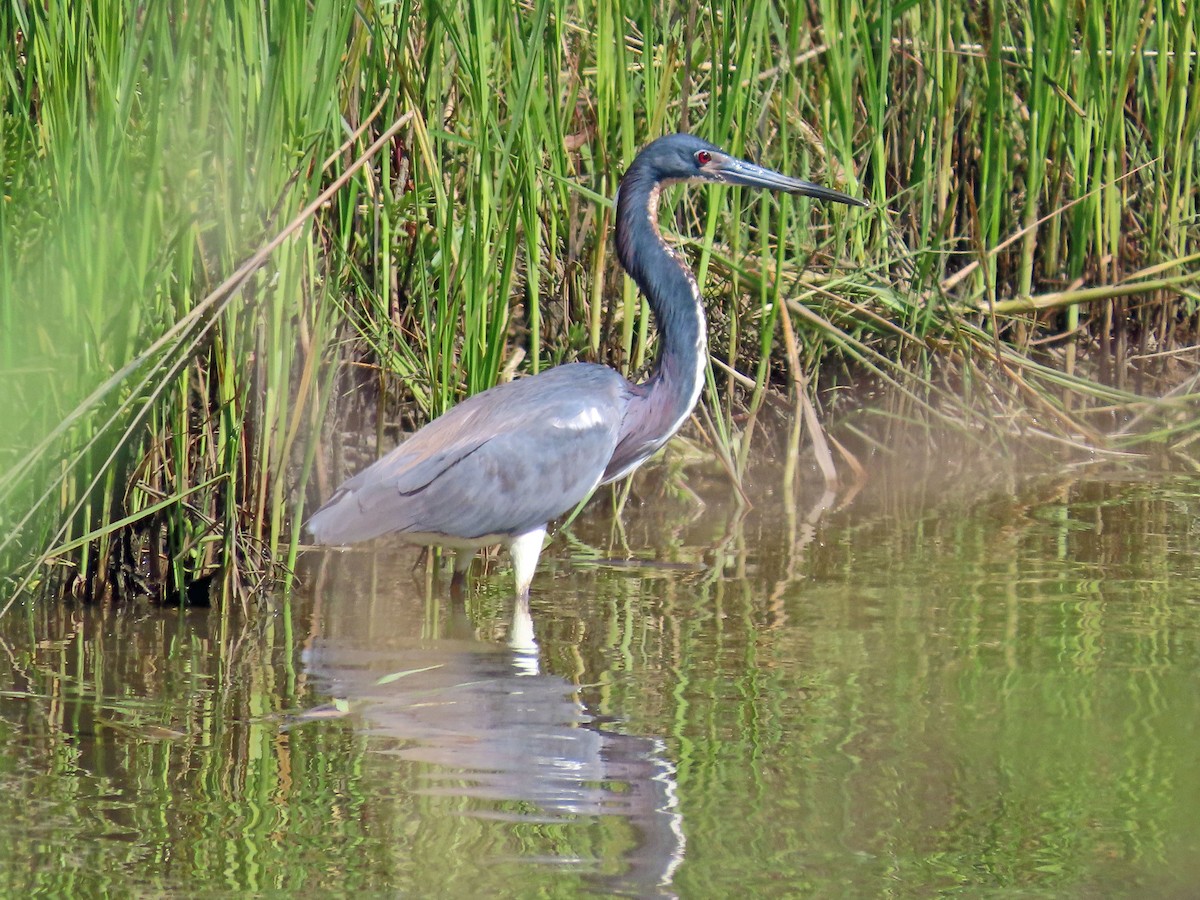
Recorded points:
(920, 689)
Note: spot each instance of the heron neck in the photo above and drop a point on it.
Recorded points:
(673, 295)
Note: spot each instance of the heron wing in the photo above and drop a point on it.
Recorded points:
(501, 462)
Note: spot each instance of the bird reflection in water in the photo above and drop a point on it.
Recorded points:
(494, 728)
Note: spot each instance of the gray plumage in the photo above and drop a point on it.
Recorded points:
(500, 465)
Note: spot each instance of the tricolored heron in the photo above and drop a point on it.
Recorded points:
(499, 466)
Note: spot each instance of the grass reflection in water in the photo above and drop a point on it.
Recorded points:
(920, 691)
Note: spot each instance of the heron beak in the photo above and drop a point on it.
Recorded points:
(737, 171)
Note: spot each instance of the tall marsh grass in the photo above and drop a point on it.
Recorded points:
(181, 342)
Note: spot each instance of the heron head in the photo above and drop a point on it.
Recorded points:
(682, 157)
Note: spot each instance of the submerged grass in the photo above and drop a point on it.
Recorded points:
(1028, 267)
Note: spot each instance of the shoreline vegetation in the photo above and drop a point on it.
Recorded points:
(243, 245)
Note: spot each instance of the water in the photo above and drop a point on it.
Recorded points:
(924, 688)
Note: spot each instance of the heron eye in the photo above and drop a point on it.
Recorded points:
(703, 157)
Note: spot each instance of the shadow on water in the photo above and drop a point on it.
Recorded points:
(985, 687)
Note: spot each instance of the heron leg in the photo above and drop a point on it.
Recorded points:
(462, 565)
(521, 637)
(525, 550)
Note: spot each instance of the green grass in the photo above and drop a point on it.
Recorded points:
(1027, 267)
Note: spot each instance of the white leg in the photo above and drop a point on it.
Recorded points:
(462, 564)
(521, 637)
(462, 560)
(525, 550)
